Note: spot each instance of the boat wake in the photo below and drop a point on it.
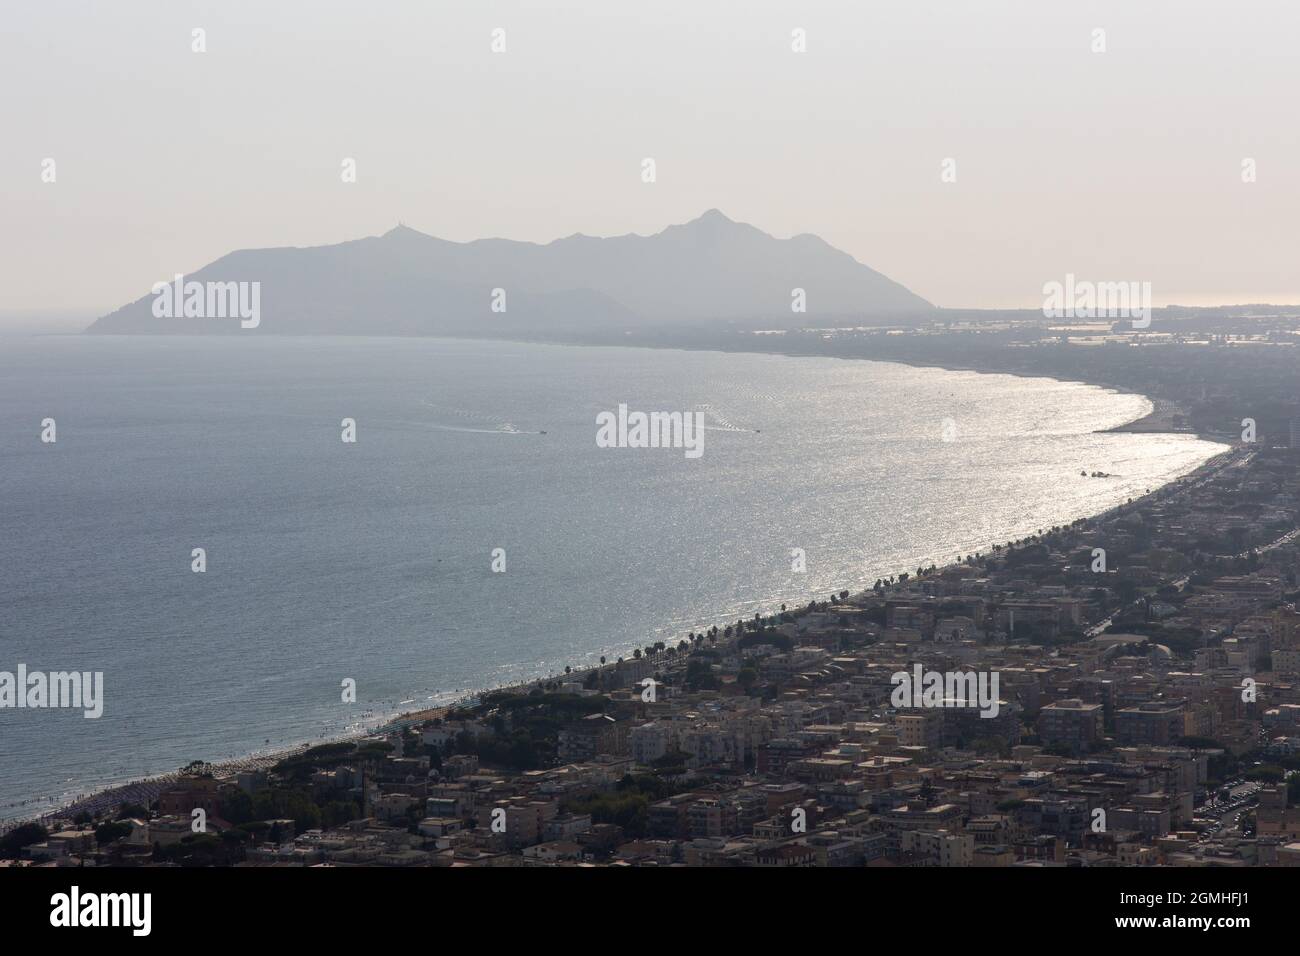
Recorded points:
(474, 423)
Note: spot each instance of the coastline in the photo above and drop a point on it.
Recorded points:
(1160, 420)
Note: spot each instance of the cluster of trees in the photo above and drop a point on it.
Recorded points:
(20, 837)
(699, 673)
(767, 636)
(526, 727)
(627, 804)
(286, 803)
(24, 835)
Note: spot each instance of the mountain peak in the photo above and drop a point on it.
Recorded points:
(403, 231)
(711, 222)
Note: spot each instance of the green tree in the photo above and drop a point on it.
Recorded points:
(21, 837)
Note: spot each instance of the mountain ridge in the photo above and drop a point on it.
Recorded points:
(405, 281)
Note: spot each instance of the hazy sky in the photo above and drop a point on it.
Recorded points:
(1125, 164)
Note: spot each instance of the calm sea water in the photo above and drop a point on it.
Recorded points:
(372, 560)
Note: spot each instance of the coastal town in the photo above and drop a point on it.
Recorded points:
(566, 438)
(1145, 667)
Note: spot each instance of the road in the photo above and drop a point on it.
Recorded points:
(1227, 814)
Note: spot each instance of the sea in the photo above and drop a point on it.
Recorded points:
(474, 533)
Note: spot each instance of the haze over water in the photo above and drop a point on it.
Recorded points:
(372, 560)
